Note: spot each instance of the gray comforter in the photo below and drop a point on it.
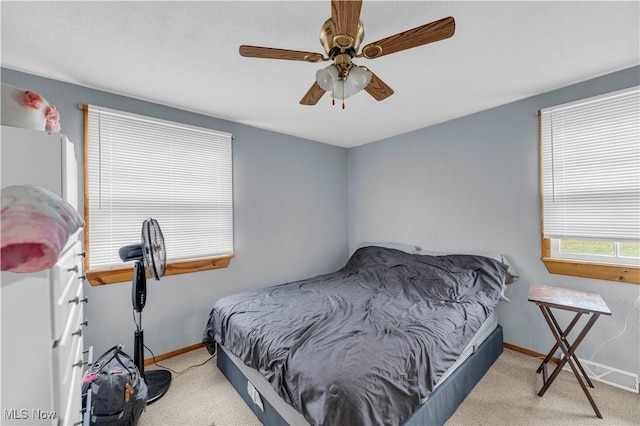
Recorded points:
(366, 344)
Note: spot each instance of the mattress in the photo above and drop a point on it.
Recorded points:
(264, 390)
(367, 343)
(483, 332)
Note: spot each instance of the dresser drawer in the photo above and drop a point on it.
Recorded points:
(65, 348)
(66, 289)
(67, 309)
(68, 266)
(70, 388)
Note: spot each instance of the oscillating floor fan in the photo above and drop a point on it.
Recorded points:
(150, 253)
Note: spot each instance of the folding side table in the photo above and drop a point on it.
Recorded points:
(582, 304)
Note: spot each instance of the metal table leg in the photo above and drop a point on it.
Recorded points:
(569, 353)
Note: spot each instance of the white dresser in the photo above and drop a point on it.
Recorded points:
(41, 315)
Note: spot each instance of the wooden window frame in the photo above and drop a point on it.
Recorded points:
(125, 273)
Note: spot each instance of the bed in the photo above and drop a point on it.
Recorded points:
(392, 338)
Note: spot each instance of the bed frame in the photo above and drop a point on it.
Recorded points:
(440, 405)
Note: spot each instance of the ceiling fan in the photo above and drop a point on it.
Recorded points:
(341, 36)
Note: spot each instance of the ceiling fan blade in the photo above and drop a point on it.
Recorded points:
(313, 95)
(428, 33)
(378, 88)
(271, 53)
(345, 15)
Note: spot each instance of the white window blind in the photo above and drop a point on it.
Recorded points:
(591, 168)
(140, 167)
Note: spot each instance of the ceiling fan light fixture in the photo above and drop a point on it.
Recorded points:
(342, 88)
(360, 77)
(327, 78)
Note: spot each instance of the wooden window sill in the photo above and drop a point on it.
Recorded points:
(125, 273)
(576, 268)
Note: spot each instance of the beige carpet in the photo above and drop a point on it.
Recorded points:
(507, 395)
(201, 396)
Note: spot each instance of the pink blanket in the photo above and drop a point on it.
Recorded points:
(36, 225)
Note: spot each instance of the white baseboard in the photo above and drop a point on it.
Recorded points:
(609, 375)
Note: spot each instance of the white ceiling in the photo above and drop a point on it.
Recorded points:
(185, 54)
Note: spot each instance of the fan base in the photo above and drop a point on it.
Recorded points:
(329, 40)
(158, 382)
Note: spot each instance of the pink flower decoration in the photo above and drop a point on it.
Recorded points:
(32, 100)
(53, 117)
(52, 126)
(51, 114)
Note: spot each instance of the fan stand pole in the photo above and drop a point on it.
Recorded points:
(158, 381)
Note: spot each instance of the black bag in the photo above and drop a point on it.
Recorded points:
(118, 391)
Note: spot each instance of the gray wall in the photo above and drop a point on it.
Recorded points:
(466, 185)
(290, 222)
(472, 184)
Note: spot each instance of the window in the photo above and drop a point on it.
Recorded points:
(597, 251)
(139, 167)
(590, 177)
